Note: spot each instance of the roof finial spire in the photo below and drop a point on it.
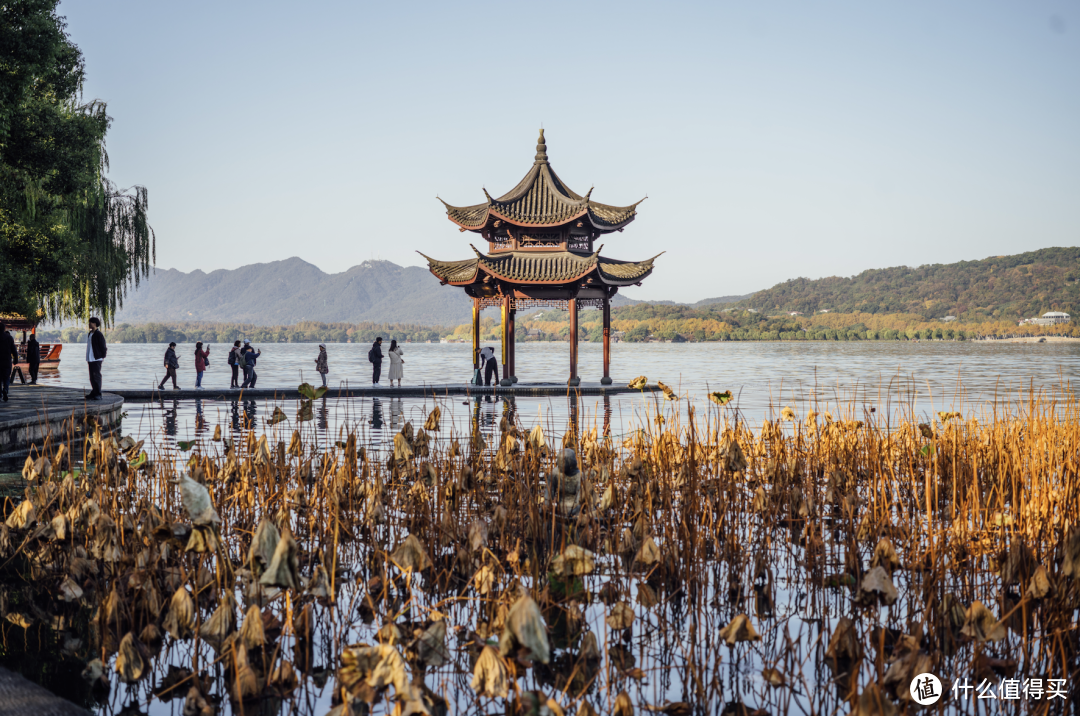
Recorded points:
(541, 149)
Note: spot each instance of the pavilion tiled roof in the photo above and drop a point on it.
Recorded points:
(542, 199)
(544, 267)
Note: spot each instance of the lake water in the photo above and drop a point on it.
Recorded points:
(888, 377)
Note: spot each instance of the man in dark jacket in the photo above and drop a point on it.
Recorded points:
(251, 356)
(375, 355)
(95, 355)
(33, 357)
(171, 364)
(9, 355)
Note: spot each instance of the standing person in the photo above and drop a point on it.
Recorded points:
(33, 357)
(396, 361)
(234, 363)
(202, 359)
(171, 364)
(95, 354)
(250, 356)
(320, 364)
(9, 356)
(489, 365)
(375, 355)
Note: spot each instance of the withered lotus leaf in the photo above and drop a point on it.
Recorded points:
(574, 561)
(844, 645)
(196, 499)
(70, 591)
(1071, 565)
(638, 383)
(1039, 584)
(739, 629)
(489, 675)
(389, 634)
(431, 645)
(222, 622)
(872, 702)
(217, 433)
(981, 625)
(319, 584)
(180, 621)
(203, 539)
(885, 555)
(623, 705)
(649, 554)
(432, 422)
(877, 585)
(621, 616)
(525, 627)
(284, 677)
(252, 633)
(195, 704)
(245, 683)
(484, 580)
(787, 414)
(374, 666)
(590, 648)
(284, 568)
(22, 516)
(402, 450)
(130, 663)
(411, 554)
(263, 545)
(536, 438)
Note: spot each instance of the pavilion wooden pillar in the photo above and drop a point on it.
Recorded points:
(606, 380)
(572, 306)
(506, 338)
(476, 334)
(513, 344)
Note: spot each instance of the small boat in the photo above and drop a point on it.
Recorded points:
(49, 352)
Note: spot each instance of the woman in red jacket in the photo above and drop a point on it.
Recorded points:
(201, 361)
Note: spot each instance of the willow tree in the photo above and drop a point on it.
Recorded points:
(71, 242)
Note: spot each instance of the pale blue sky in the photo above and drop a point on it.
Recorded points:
(774, 139)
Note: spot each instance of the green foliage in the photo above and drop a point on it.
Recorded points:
(1019, 286)
(307, 332)
(70, 241)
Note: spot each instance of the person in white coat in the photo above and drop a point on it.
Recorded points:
(396, 363)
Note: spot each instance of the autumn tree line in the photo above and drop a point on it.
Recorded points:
(634, 324)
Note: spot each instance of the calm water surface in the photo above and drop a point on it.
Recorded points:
(890, 377)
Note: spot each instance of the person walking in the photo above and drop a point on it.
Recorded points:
(489, 365)
(202, 359)
(171, 365)
(234, 364)
(9, 356)
(396, 363)
(33, 357)
(250, 356)
(320, 364)
(95, 355)
(375, 355)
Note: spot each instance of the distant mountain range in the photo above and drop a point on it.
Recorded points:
(287, 292)
(290, 291)
(1017, 286)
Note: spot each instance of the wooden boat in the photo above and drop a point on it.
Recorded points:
(50, 352)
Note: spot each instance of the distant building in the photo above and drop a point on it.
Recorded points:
(794, 313)
(1050, 318)
(949, 318)
(824, 310)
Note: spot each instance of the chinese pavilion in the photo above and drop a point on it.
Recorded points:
(540, 238)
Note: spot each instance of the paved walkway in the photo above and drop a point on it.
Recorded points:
(519, 389)
(19, 697)
(33, 412)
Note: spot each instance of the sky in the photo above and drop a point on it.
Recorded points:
(773, 139)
